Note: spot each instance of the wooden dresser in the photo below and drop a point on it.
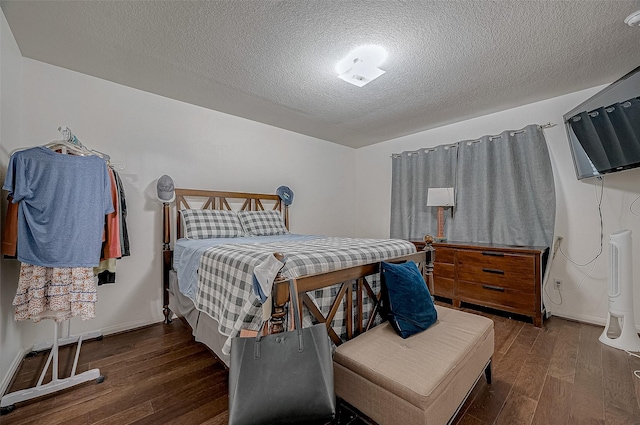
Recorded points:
(503, 277)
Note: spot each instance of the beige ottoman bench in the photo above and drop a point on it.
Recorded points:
(423, 379)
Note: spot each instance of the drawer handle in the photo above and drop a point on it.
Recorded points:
(494, 271)
(494, 254)
(493, 288)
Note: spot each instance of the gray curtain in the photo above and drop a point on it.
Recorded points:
(505, 190)
(412, 174)
(504, 187)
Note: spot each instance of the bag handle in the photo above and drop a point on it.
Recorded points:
(297, 324)
(294, 305)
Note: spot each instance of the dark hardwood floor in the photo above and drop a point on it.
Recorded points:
(559, 374)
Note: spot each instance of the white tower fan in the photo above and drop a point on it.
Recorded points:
(621, 296)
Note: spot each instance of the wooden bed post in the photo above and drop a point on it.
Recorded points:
(280, 296)
(428, 267)
(166, 259)
(286, 216)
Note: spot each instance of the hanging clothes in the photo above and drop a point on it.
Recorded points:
(116, 243)
(111, 249)
(54, 289)
(10, 230)
(106, 271)
(62, 201)
(124, 234)
(111, 244)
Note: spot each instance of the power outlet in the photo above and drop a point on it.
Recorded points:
(558, 283)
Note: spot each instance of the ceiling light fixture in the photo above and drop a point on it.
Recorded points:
(360, 66)
(633, 19)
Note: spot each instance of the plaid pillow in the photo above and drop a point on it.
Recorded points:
(204, 224)
(262, 223)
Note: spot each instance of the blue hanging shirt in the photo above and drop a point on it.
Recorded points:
(63, 203)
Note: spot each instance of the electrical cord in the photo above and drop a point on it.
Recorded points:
(601, 179)
(556, 246)
(593, 260)
(635, 372)
(551, 299)
(593, 266)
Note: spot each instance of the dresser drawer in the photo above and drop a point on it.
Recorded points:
(496, 296)
(443, 287)
(444, 279)
(445, 255)
(444, 270)
(513, 271)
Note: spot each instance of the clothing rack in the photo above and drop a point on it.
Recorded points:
(7, 404)
(69, 144)
(66, 340)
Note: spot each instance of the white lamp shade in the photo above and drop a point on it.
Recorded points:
(440, 197)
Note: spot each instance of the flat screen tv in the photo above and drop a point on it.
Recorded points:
(604, 131)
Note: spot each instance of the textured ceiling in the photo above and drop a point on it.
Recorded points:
(273, 61)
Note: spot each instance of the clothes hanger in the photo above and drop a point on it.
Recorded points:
(69, 144)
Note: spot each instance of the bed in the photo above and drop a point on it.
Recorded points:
(208, 279)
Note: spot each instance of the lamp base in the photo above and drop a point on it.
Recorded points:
(439, 240)
(440, 237)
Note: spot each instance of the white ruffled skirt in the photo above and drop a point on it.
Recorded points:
(55, 293)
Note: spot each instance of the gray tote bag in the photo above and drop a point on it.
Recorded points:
(284, 378)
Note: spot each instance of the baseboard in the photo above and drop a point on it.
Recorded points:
(132, 325)
(593, 320)
(6, 380)
(72, 339)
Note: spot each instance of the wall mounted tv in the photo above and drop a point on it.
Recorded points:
(604, 131)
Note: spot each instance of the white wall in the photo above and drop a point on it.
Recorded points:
(577, 218)
(199, 148)
(10, 117)
(11, 340)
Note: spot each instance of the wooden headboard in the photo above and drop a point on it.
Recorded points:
(213, 200)
(216, 200)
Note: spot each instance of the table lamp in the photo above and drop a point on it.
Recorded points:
(440, 197)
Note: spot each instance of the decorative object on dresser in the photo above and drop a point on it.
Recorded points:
(502, 277)
(440, 197)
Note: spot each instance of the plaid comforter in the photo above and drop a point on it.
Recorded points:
(225, 290)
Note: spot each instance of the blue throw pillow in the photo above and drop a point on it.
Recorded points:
(406, 299)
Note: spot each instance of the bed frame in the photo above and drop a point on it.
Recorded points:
(213, 200)
(344, 277)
